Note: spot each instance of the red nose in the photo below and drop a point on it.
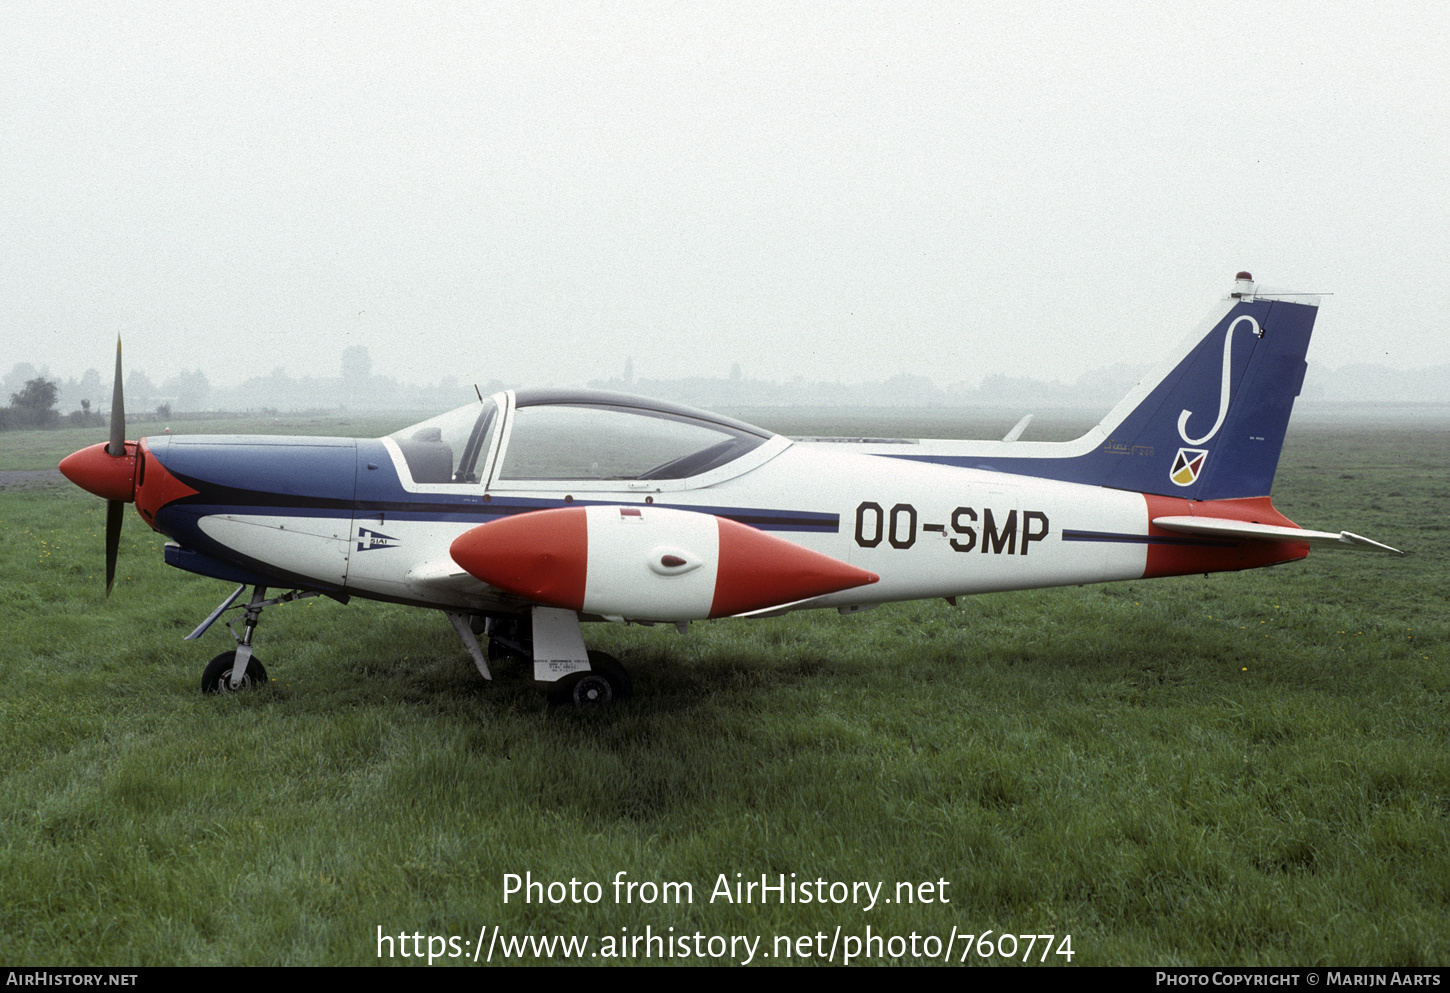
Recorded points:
(109, 476)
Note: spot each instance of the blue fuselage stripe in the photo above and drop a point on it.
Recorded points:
(1144, 539)
(469, 508)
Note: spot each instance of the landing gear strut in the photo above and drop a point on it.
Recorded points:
(551, 637)
(232, 671)
(241, 664)
(510, 637)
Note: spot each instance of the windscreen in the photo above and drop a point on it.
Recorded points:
(449, 448)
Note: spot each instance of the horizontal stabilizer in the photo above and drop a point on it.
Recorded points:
(1269, 532)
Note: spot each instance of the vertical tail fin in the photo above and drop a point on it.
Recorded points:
(1211, 425)
(1208, 424)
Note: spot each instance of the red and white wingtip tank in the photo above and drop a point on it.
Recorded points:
(648, 562)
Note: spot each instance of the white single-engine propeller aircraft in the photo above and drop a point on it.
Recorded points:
(525, 513)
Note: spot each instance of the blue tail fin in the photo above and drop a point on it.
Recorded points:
(1209, 424)
(1212, 428)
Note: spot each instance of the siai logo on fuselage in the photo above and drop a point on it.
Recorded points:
(1188, 463)
(367, 540)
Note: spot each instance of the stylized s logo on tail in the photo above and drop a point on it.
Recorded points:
(1223, 392)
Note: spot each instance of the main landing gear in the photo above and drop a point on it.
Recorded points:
(605, 682)
(551, 639)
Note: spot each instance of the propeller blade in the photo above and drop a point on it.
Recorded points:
(115, 509)
(117, 448)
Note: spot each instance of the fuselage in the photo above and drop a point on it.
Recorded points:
(346, 517)
(380, 518)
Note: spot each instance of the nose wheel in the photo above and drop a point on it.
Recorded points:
(217, 677)
(240, 669)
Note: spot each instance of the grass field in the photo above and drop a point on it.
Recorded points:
(1247, 768)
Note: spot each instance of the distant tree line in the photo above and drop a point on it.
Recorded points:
(1097, 388)
(40, 400)
(34, 406)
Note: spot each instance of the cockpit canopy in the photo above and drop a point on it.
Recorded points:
(573, 435)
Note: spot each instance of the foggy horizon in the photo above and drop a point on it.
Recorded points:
(359, 387)
(534, 193)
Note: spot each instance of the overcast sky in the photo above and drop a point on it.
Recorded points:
(534, 192)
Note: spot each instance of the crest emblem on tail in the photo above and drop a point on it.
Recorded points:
(1187, 465)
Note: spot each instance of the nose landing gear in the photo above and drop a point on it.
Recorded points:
(236, 670)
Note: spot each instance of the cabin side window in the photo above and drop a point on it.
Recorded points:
(449, 448)
(584, 441)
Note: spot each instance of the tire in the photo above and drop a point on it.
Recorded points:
(606, 682)
(217, 677)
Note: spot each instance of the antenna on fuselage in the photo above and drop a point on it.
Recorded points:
(480, 395)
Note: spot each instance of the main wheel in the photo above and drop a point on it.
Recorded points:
(217, 678)
(605, 682)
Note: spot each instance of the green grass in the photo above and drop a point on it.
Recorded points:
(1247, 768)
